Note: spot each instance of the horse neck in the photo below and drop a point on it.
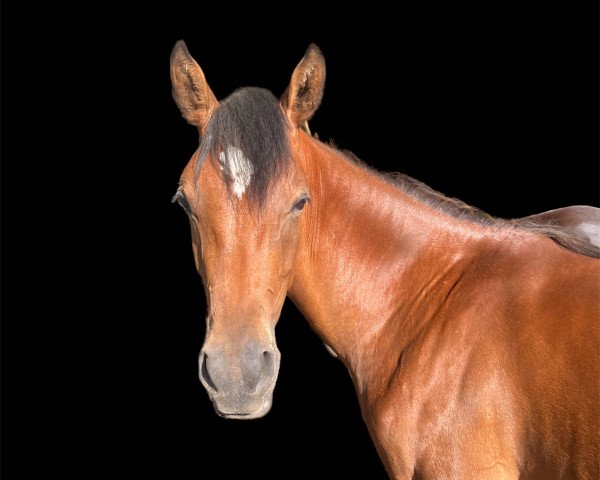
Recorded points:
(372, 261)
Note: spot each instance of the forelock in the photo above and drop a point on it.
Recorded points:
(247, 135)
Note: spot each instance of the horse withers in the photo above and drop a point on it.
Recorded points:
(473, 342)
(581, 220)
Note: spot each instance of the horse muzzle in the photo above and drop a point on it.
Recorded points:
(240, 385)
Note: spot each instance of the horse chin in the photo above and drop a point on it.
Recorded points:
(241, 413)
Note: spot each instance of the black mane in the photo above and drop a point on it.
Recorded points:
(249, 119)
(456, 208)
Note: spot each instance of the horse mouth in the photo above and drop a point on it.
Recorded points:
(241, 415)
(235, 416)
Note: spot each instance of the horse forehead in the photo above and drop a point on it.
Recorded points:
(238, 168)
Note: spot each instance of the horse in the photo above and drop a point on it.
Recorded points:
(473, 342)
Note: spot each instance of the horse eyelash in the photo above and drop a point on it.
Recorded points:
(182, 201)
(304, 199)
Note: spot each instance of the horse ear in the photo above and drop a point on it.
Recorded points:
(303, 96)
(193, 96)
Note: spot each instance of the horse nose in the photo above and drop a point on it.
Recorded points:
(250, 372)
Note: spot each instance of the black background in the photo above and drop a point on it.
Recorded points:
(103, 312)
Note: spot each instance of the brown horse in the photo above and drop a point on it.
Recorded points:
(473, 342)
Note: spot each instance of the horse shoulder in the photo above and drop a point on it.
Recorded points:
(494, 369)
(451, 384)
(551, 316)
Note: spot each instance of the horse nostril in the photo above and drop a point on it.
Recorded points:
(267, 370)
(206, 375)
(267, 362)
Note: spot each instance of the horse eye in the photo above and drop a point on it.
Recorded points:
(182, 201)
(299, 205)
